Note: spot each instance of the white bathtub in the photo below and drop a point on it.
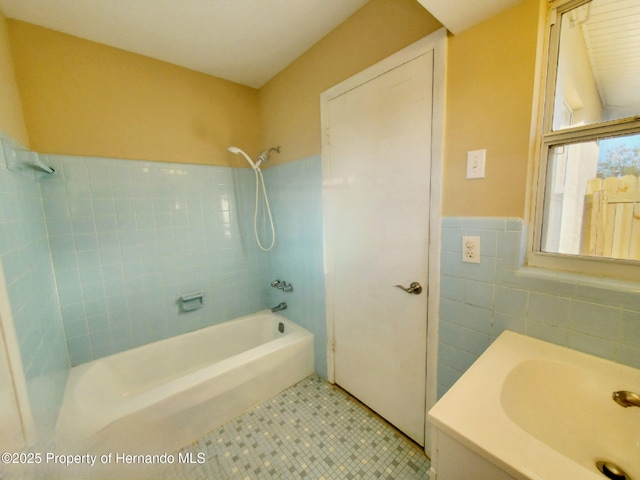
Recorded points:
(532, 410)
(163, 396)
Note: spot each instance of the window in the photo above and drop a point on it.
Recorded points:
(587, 215)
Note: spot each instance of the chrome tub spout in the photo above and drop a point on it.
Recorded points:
(279, 307)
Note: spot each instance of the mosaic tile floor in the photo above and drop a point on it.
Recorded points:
(312, 431)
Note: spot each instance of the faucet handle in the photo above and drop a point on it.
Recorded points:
(282, 285)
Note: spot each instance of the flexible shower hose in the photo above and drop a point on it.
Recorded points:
(259, 179)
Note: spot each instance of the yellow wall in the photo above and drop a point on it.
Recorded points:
(84, 98)
(490, 94)
(290, 102)
(11, 116)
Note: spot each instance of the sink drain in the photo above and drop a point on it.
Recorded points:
(612, 471)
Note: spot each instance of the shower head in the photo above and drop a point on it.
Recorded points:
(262, 157)
(265, 154)
(237, 151)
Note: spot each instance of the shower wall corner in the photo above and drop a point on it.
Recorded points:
(31, 319)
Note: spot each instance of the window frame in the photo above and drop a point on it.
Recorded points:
(547, 139)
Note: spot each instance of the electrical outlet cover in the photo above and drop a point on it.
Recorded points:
(470, 249)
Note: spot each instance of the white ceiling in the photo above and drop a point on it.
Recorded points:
(245, 41)
(458, 15)
(612, 36)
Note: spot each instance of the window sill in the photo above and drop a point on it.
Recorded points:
(603, 272)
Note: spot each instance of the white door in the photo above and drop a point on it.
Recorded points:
(377, 191)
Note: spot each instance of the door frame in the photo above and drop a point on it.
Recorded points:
(10, 351)
(436, 42)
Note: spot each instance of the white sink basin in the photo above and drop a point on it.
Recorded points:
(539, 411)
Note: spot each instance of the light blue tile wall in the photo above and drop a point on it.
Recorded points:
(478, 302)
(26, 261)
(129, 237)
(295, 194)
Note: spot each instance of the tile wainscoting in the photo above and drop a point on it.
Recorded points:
(478, 301)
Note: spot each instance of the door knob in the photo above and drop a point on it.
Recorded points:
(414, 288)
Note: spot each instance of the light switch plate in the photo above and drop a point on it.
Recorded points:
(476, 160)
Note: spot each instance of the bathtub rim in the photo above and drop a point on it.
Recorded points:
(157, 393)
(80, 370)
(190, 333)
